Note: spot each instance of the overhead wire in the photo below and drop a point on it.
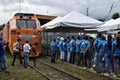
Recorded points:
(112, 8)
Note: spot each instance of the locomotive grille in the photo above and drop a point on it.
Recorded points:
(27, 37)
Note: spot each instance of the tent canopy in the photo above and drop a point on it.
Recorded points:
(72, 22)
(110, 25)
(50, 24)
(113, 32)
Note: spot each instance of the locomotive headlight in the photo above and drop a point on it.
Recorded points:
(39, 32)
(13, 32)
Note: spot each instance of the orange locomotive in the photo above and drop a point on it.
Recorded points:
(23, 26)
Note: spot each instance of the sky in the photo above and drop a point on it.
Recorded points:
(98, 9)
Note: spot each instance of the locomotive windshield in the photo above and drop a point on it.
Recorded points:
(26, 24)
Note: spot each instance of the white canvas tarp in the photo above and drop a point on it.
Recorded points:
(72, 22)
(113, 32)
(110, 25)
(50, 24)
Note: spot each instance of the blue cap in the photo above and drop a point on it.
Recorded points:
(1, 38)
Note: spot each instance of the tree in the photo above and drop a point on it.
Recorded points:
(2, 26)
(115, 15)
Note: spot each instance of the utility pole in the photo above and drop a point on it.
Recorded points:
(87, 11)
(19, 5)
(111, 8)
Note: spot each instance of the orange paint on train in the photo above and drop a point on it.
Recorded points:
(23, 26)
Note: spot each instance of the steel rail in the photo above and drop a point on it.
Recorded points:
(61, 70)
(47, 77)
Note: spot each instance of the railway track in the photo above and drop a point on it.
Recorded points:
(78, 73)
(53, 73)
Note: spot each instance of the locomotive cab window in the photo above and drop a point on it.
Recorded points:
(26, 24)
(31, 24)
(21, 23)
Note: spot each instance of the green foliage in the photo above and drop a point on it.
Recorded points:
(2, 26)
(115, 15)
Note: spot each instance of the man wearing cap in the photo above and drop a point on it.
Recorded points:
(61, 48)
(3, 60)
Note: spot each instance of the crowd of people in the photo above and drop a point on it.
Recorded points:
(102, 53)
(85, 51)
(16, 52)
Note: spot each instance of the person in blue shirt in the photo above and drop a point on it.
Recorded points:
(72, 44)
(68, 49)
(85, 47)
(95, 44)
(65, 49)
(57, 52)
(107, 52)
(116, 51)
(3, 60)
(61, 49)
(53, 46)
(100, 54)
(77, 46)
(80, 56)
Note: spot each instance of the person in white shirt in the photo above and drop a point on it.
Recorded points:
(26, 50)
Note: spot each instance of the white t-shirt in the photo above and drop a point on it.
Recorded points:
(26, 47)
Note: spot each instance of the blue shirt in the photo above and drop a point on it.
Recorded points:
(100, 46)
(68, 47)
(53, 46)
(61, 46)
(57, 42)
(77, 45)
(85, 45)
(116, 49)
(72, 45)
(106, 49)
(96, 42)
(65, 46)
(1, 49)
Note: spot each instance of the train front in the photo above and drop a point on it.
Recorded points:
(28, 29)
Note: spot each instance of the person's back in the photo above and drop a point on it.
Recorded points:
(53, 46)
(26, 50)
(108, 56)
(96, 42)
(61, 46)
(116, 51)
(100, 46)
(26, 47)
(72, 45)
(85, 45)
(85, 48)
(95, 45)
(77, 45)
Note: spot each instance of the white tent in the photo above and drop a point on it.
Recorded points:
(72, 22)
(113, 32)
(51, 23)
(110, 25)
